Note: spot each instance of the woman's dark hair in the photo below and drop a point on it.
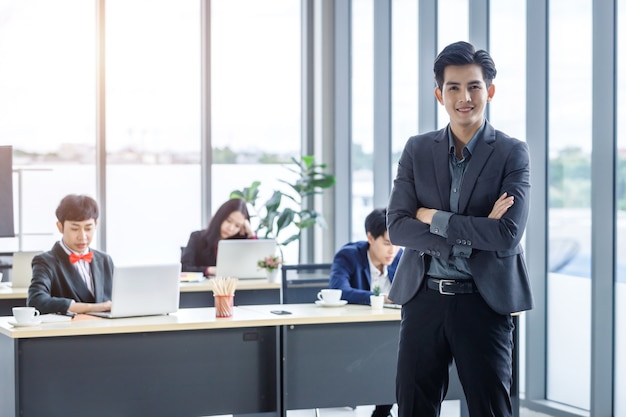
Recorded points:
(376, 223)
(463, 53)
(77, 208)
(213, 231)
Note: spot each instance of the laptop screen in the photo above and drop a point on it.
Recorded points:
(145, 291)
(238, 258)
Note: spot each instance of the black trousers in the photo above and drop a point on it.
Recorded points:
(382, 410)
(437, 328)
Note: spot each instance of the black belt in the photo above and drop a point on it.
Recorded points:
(451, 286)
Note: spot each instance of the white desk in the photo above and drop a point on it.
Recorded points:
(191, 364)
(184, 364)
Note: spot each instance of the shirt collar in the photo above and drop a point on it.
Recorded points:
(375, 272)
(469, 148)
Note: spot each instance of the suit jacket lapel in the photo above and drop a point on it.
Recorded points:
(482, 152)
(97, 269)
(364, 264)
(73, 276)
(440, 158)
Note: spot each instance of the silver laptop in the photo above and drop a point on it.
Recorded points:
(22, 269)
(238, 258)
(144, 291)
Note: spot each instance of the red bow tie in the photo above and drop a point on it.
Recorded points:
(75, 257)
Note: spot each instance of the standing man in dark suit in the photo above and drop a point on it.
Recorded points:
(459, 206)
(71, 277)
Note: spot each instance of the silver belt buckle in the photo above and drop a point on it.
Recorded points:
(441, 284)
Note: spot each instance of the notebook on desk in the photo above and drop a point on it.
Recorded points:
(144, 291)
(22, 270)
(238, 258)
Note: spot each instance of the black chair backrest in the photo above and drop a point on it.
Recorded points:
(301, 283)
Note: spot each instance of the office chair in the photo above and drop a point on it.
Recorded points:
(301, 283)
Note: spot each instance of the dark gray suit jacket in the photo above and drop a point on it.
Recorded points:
(56, 282)
(498, 164)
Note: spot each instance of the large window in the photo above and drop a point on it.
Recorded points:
(47, 103)
(153, 128)
(569, 199)
(362, 114)
(255, 98)
(508, 54)
(404, 89)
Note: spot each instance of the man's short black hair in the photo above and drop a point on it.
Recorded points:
(376, 223)
(77, 208)
(464, 53)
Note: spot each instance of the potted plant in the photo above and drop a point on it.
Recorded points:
(271, 264)
(274, 216)
(377, 300)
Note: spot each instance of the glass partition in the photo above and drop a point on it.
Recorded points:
(620, 179)
(569, 200)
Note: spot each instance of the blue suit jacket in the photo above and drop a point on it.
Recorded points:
(56, 282)
(498, 164)
(350, 272)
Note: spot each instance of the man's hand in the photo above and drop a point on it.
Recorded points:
(501, 206)
(425, 215)
(89, 307)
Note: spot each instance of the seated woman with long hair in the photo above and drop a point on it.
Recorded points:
(230, 221)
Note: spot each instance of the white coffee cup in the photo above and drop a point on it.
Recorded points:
(329, 296)
(25, 314)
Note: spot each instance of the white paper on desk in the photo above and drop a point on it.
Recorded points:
(54, 318)
(191, 276)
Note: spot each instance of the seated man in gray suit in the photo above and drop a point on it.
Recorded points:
(72, 277)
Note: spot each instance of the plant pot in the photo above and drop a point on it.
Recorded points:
(274, 275)
(377, 301)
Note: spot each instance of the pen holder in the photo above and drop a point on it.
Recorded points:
(224, 305)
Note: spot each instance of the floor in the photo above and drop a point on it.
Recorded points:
(449, 409)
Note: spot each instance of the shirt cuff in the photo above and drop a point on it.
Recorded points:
(439, 224)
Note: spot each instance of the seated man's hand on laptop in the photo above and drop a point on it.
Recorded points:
(88, 307)
(388, 300)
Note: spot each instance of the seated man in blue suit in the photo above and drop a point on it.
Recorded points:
(360, 266)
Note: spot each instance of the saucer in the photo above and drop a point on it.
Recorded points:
(27, 324)
(325, 304)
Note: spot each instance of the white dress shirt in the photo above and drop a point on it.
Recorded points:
(82, 267)
(379, 278)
